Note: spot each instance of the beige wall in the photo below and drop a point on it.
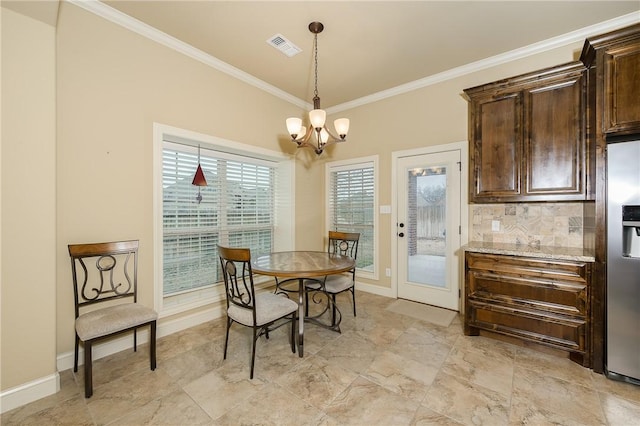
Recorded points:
(28, 277)
(112, 85)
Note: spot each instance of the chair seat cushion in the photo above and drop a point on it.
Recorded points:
(333, 284)
(105, 321)
(269, 307)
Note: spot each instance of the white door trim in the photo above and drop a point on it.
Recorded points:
(464, 205)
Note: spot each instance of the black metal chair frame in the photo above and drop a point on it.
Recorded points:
(91, 291)
(345, 244)
(240, 291)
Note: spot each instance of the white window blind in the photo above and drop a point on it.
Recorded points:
(351, 207)
(237, 209)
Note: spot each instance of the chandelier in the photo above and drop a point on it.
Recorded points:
(301, 135)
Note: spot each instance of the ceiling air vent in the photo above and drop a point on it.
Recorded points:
(282, 44)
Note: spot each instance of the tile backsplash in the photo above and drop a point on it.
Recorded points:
(534, 224)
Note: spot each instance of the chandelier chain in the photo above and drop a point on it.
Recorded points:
(315, 45)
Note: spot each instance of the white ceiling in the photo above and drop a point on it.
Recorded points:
(367, 46)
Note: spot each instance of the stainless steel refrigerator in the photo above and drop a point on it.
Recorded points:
(623, 261)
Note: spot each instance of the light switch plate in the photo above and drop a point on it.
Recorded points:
(495, 225)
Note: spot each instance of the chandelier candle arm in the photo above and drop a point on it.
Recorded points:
(317, 117)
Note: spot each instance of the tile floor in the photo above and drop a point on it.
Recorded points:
(384, 369)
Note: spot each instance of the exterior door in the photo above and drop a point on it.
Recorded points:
(428, 227)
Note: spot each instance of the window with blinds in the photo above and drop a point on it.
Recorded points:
(352, 201)
(237, 209)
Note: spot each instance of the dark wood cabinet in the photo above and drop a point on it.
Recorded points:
(539, 300)
(615, 57)
(528, 137)
(613, 62)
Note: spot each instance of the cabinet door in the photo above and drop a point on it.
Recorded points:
(622, 89)
(555, 139)
(497, 147)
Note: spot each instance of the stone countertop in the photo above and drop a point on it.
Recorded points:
(548, 252)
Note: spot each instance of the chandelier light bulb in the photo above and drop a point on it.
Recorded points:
(342, 127)
(317, 117)
(324, 136)
(294, 126)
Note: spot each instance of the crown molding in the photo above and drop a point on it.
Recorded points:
(113, 15)
(107, 12)
(532, 49)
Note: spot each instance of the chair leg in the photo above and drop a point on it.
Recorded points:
(293, 332)
(253, 351)
(353, 295)
(333, 310)
(152, 346)
(226, 339)
(88, 370)
(135, 340)
(75, 355)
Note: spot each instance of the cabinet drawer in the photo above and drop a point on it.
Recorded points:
(562, 332)
(564, 297)
(528, 267)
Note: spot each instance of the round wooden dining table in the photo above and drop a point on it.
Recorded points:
(300, 265)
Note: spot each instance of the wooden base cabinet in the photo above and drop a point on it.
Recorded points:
(539, 300)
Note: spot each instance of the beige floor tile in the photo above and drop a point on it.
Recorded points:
(367, 403)
(188, 366)
(621, 389)
(217, 394)
(350, 351)
(400, 375)
(619, 411)
(491, 372)
(317, 381)
(176, 408)
(466, 402)
(427, 417)
(272, 405)
(562, 368)
(540, 398)
(422, 345)
(488, 347)
(115, 399)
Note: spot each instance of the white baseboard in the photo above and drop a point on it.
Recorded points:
(375, 289)
(29, 392)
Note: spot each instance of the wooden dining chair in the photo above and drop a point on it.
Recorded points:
(105, 282)
(263, 312)
(345, 244)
